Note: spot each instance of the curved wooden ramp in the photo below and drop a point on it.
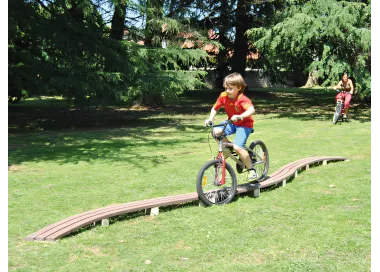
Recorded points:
(55, 231)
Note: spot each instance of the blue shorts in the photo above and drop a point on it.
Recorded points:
(242, 134)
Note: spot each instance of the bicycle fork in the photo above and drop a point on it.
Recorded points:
(221, 157)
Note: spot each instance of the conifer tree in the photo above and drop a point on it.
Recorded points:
(66, 48)
(323, 37)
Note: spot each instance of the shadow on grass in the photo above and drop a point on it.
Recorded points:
(302, 104)
(305, 105)
(68, 135)
(134, 144)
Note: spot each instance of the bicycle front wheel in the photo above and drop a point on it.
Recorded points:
(260, 159)
(338, 110)
(209, 187)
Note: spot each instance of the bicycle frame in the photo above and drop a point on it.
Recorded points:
(223, 159)
(229, 155)
(221, 149)
(341, 98)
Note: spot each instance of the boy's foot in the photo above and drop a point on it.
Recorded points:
(252, 176)
(344, 116)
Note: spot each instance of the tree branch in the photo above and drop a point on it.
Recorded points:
(44, 7)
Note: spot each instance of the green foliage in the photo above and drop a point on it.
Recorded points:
(324, 37)
(64, 48)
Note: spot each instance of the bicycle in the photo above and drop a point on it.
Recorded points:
(216, 180)
(339, 108)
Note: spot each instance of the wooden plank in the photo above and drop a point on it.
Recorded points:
(57, 230)
(75, 222)
(289, 169)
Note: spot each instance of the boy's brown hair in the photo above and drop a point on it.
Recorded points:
(236, 80)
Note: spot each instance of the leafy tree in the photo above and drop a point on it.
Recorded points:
(323, 37)
(218, 16)
(66, 48)
(230, 20)
(58, 48)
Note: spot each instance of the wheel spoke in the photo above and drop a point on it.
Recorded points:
(260, 159)
(209, 187)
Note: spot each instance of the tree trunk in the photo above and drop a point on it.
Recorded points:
(312, 80)
(118, 19)
(221, 63)
(76, 12)
(239, 58)
(153, 38)
(117, 31)
(222, 55)
(153, 32)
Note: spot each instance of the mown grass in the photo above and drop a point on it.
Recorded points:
(59, 167)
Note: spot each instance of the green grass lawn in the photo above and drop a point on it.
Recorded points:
(63, 162)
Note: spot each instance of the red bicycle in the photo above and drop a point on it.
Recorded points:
(216, 181)
(339, 108)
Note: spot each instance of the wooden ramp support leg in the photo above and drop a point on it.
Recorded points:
(105, 222)
(325, 162)
(154, 211)
(284, 183)
(256, 192)
(201, 204)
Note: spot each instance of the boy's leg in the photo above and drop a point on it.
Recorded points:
(242, 134)
(230, 129)
(244, 156)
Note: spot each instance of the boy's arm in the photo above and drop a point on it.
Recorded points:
(250, 111)
(211, 117)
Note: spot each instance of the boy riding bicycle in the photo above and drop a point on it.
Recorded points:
(239, 109)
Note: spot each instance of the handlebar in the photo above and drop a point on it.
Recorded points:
(211, 124)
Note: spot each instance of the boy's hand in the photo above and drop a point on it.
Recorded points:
(236, 118)
(208, 122)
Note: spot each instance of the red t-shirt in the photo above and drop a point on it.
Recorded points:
(235, 107)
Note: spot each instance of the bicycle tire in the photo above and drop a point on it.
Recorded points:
(337, 113)
(212, 193)
(260, 159)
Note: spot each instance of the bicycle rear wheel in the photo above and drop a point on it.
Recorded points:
(260, 159)
(209, 189)
(337, 113)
